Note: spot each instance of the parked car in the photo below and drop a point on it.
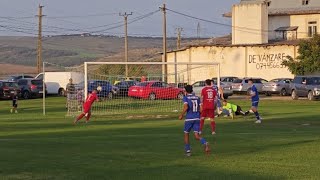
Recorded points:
(199, 85)
(228, 80)
(306, 86)
(277, 86)
(107, 90)
(8, 88)
(56, 82)
(30, 87)
(123, 87)
(16, 78)
(242, 86)
(155, 90)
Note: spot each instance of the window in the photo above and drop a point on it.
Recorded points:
(305, 2)
(22, 82)
(312, 28)
(268, 3)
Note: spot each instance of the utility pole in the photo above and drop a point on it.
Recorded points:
(164, 57)
(39, 48)
(179, 30)
(198, 32)
(125, 15)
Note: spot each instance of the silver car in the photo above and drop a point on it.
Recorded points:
(199, 85)
(228, 80)
(242, 86)
(277, 86)
(306, 86)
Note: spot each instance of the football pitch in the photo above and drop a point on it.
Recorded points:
(285, 146)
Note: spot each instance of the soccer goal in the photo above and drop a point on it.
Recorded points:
(139, 88)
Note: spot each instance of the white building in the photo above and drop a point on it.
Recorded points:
(264, 32)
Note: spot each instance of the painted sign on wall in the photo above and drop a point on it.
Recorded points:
(268, 61)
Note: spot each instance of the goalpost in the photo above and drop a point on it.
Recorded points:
(137, 88)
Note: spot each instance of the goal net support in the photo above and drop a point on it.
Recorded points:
(139, 88)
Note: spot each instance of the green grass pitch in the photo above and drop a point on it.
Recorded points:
(285, 146)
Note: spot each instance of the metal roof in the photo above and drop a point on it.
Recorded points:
(287, 28)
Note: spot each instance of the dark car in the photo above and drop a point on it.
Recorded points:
(8, 88)
(123, 87)
(306, 86)
(16, 78)
(30, 87)
(107, 90)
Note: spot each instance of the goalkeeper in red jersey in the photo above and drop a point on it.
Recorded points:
(87, 106)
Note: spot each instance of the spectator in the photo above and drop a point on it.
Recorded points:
(71, 91)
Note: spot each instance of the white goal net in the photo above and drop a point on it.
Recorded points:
(139, 88)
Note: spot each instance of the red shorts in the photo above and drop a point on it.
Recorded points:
(207, 113)
(86, 108)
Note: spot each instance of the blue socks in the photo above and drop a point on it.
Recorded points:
(203, 141)
(187, 147)
(257, 115)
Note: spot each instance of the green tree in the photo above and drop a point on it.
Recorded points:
(308, 61)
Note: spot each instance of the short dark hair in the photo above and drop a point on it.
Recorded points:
(250, 80)
(188, 88)
(225, 100)
(208, 82)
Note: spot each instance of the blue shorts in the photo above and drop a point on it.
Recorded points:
(218, 103)
(195, 125)
(255, 104)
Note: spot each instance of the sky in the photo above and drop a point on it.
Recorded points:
(17, 17)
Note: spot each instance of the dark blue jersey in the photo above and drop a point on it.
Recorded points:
(193, 102)
(15, 99)
(254, 94)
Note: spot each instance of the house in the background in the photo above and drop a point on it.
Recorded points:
(264, 33)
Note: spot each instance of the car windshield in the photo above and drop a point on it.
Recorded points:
(238, 81)
(143, 84)
(131, 83)
(316, 80)
(11, 84)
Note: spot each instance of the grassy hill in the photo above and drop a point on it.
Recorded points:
(74, 50)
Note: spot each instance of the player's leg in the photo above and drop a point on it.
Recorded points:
(240, 111)
(204, 114)
(187, 129)
(86, 109)
(196, 128)
(254, 108)
(212, 121)
(88, 116)
(16, 108)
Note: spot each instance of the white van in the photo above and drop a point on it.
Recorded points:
(56, 82)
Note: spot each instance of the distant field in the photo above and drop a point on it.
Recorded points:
(285, 146)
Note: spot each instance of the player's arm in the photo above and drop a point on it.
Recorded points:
(185, 109)
(221, 92)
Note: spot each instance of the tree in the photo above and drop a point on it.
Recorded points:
(308, 61)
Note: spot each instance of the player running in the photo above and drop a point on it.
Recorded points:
(14, 103)
(208, 95)
(192, 107)
(87, 106)
(255, 101)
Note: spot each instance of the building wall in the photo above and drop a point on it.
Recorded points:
(244, 61)
(302, 22)
(294, 20)
(249, 23)
(280, 4)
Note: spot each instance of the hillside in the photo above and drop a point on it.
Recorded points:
(74, 50)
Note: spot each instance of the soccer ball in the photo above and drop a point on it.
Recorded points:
(99, 88)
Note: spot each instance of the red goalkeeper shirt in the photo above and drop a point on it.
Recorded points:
(90, 99)
(208, 94)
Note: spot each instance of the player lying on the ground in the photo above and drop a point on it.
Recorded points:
(254, 100)
(231, 109)
(87, 107)
(208, 95)
(192, 107)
